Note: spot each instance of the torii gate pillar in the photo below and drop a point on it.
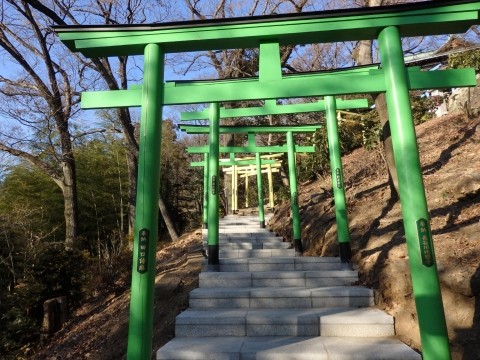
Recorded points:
(205, 191)
(292, 176)
(213, 186)
(341, 213)
(426, 286)
(146, 214)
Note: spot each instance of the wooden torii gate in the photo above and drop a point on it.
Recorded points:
(266, 161)
(246, 172)
(387, 24)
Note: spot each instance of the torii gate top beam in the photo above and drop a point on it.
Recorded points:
(255, 129)
(271, 108)
(416, 19)
(251, 149)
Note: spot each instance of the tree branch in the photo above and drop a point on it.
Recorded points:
(34, 160)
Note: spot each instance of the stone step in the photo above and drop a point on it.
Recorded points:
(252, 239)
(255, 253)
(278, 279)
(287, 297)
(302, 263)
(285, 348)
(353, 322)
(252, 245)
(244, 218)
(248, 234)
(263, 302)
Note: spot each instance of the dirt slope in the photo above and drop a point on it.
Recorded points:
(99, 329)
(450, 154)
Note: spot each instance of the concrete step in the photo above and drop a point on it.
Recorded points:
(302, 263)
(263, 302)
(244, 218)
(255, 239)
(285, 348)
(287, 297)
(278, 279)
(255, 253)
(252, 245)
(247, 232)
(354, 322)
(247, 235)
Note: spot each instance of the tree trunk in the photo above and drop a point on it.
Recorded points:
(132, 189)
(284, 176)
(381, 106)
(363, 56)
(69, 189)
(167, 219)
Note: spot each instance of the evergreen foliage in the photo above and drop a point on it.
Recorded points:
(467, 59)
(49, 271)
(102, 183)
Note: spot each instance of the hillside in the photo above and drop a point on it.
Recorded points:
(450, 154)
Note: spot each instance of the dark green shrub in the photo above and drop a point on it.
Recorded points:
(50, 271)
(423, 108)
(466, 59)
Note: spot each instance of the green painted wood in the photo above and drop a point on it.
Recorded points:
(252, 149)
(442, 17)
(336, 170)
(294, 87)
(146, 212)
(205, 164)
(270, 67)
(273, 109)
(294, 205)
(213, 186)
(425, 281)
(253, 129)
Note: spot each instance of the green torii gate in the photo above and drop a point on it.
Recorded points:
(233, 163)
(290, 149)
(330, 105)
(387, 24)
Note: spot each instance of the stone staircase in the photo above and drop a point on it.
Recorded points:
(265, 303)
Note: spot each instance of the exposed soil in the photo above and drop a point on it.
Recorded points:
(98, 330)
(450, 155)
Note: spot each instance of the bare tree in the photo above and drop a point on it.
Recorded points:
(116, 72)
(39, 101)
(363, 55)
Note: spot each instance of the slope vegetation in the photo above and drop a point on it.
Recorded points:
(450, 156)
